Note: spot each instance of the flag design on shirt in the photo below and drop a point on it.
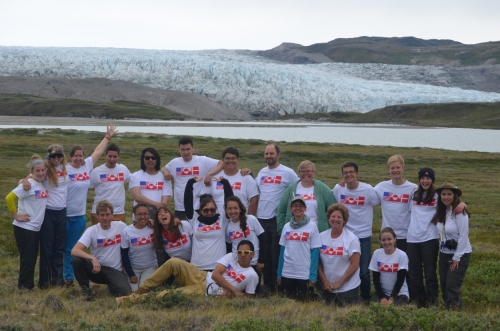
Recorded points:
(298, 236)
(40, 194)
(238, 234)
(208, 228)
(270, 180)
(187, 171)
(234, 275)
(327, 250)
(347, 200)
(430, 204)
(387, 267)
(141, 241)
(394, 197)
(151, 186)
(103, 242)
(79, 177)
(178, 243)
(236, 186)
(61, 173)
(307, 197)
(119, 177)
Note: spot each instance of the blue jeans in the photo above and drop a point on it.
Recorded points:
(75, 226)
(364, 262)
(52, 242)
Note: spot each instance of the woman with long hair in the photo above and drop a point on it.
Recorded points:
(28, 219)
(455, 248)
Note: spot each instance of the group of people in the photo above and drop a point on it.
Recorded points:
(229, 230)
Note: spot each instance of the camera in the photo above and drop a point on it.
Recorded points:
(450, 244)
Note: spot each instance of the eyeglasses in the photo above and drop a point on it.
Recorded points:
(230, 158)
(244, 252)
(350, 172)
(142, 214)
(59, 155)
(209, 210)
(147, 158)
(306, 171)
(298, 205)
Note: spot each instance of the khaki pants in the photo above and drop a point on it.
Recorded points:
(191, 278)
(116, 217)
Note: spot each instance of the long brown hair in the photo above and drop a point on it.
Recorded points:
(158, 228)
(418, 195)
(243, 211)
(51, 170)
(440, 215)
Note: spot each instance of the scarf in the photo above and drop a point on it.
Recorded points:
(208, 220)
(168, 236)
(296, 225)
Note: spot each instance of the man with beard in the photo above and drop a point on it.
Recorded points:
(272, 181)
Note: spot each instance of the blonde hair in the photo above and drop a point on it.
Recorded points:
(396, 158)
(51, 170)
(306, 164)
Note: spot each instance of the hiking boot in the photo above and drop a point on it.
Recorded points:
(87, 293)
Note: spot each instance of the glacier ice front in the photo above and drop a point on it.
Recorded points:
(240, 79)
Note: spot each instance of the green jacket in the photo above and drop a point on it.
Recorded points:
(324, 198)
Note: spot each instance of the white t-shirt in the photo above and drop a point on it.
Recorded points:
(33, 203)
(244, 279)
(244, 187)
(421, 229)
(272, 184)
(153, 187)
(182, 171)
(105, 244)
(359, 202)
(78, 187)
(335, 256)
(456, 227)
(235, 235)
(395, 201)
(298, 244)
(140, 244)
(182, 247)
(388, 266)
(312, 205)
(57, 194)
(209, 243)
(109, 184)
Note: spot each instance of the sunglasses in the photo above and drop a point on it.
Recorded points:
(244, 252)
(147, 158)
(209, 210)
(55, 155)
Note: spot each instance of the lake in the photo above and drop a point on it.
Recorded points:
(352, 134)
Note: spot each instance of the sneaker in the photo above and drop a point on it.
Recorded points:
(87, 293)
(68, 283)
(120, 301)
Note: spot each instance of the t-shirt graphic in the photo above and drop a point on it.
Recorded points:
(306, 197)
(387, 267)
(234, 235)
(348, 200)
(294, 235)
(119, 177)
(104, 242)
(394, 197)
(430, 204)
(151, 186)
(187, 171)
(141, 241)
(270, 180)
(327, 250)
(173, 244)
(41, 194)
(234, 275)
(79, 177)
(235, 186)
(207, 228)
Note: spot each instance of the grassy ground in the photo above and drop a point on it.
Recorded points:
(64, 309)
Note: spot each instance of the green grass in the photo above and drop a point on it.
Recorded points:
(64, 309)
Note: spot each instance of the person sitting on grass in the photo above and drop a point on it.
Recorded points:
(103, 265)
(233, 276)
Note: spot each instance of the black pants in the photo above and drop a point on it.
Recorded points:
(294, 288)
(180, 214)
(451, 281)
(271, 253)
(424, 254)
(27, 244)
(403, 245)
(116, 280)
(52, 245)
(343, 299)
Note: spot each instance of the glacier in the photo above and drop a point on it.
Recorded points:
(243, 80)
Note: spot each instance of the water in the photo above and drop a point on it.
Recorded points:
(353, 134)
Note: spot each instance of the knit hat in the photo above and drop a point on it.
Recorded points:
(426, 172)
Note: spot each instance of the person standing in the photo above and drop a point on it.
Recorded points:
(109, 180)
(272, 181)
(359, 198)
(184, 168)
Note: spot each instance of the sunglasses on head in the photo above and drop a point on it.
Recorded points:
(55, 155)
(147, 158)
(209, 210)
(245, 252)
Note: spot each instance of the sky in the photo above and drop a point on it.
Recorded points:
(238, 24)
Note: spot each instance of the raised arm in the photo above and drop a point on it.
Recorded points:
(110, 131)
(208, 178)
(188, 197)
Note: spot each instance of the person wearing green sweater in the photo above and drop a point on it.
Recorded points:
(318, 197)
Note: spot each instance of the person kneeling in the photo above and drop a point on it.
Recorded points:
(103, 265)
(232, 277)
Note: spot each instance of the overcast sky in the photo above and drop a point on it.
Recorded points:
(239, 24)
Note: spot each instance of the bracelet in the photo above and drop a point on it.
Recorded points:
(108, 137)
